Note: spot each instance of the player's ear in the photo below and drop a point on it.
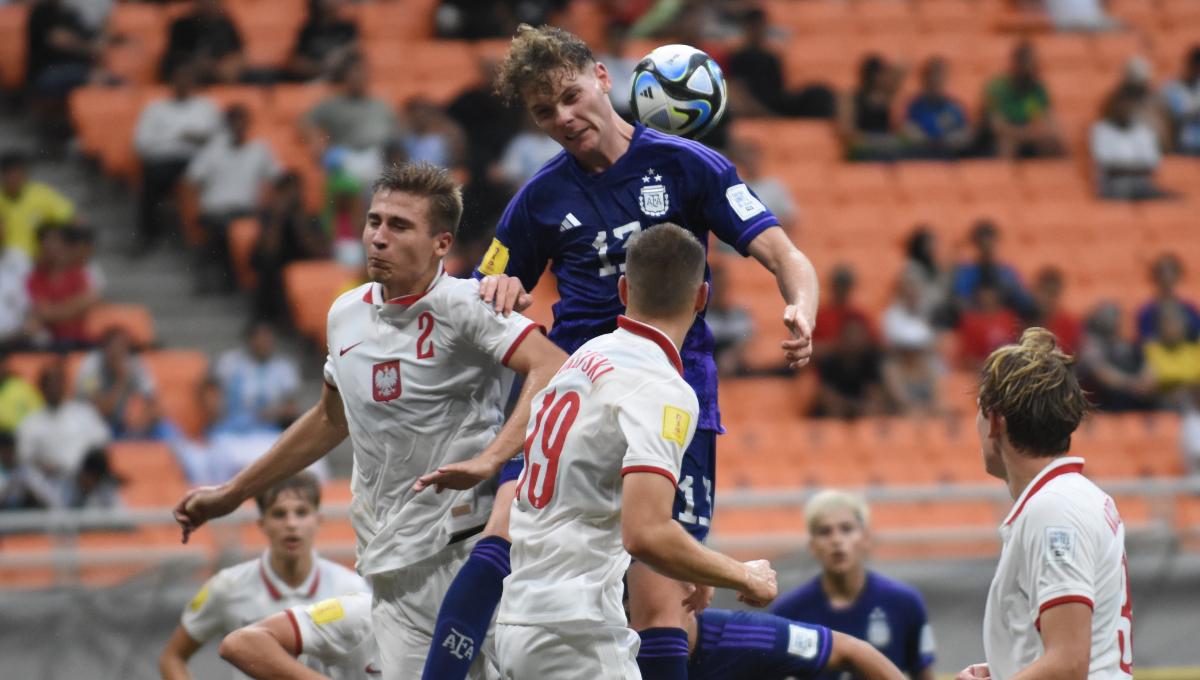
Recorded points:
(603, 77)
(701, 298)
(997, 425)
(443, 241)
(623, 290)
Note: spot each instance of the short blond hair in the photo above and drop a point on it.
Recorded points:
(831, 500)
(538, 59)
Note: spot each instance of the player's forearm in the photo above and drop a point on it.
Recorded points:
(672, 552)
(173, 667)
(861, 659)
(794, 272)
(511, 438)
(255, 652)
(304, 442)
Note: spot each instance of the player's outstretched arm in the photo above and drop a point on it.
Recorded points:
(652, 536)
(313, 435)
(861, 659)
(1067, 638)
(172, 663)
(267, 650)
(799, 285)
(538, 360)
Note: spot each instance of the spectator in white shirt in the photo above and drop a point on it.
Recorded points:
(14, 295)
(911, 368)
(169, 133)
(1182, 98)
(118, 384)
(747, 156)
(259, 383)
(232, 176)
(525, 154)
(54, 441)
(1125, 150)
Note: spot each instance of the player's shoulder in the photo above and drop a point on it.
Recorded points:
(897, 591)
(695, 153)
(347, 301)
(547, 180)
(1072, 500)
(235, 578)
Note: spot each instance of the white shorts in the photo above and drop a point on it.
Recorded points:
(404, 611)
(592, 651)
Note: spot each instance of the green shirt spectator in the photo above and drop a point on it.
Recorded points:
(1017, 105)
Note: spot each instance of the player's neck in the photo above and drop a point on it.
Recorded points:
(675, 329)
(1020, 470)
(395, 289)
(292, 571)
(611, 148)
(843, 589)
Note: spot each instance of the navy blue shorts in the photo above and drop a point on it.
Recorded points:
(693, 496)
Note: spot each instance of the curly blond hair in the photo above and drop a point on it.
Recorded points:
(1032, 385)
(538, 59)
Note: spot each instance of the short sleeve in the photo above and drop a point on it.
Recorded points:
(922, 647)
(330, 373)
(727, 204)
(658, 421)
(496, 335)
(516, 249)
(203, 616)
(332, 629)
(808, 648)
(1060, 554)
(199, 168)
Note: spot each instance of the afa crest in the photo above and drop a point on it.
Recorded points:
(653, 200)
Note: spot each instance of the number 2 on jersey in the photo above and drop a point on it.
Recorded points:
(544, 446)
(1125, 623)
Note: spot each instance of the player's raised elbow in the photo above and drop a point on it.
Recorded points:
(639, 546)
(238, 647)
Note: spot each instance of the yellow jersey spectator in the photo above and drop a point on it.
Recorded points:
(26, 205)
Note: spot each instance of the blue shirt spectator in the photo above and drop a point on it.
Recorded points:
(1182, 99)
(986, 269)
(258, 384)
(1166, 272)
(935, 122)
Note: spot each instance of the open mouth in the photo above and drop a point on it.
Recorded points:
(292, 542)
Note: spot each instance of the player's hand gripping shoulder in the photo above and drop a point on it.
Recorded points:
(505, 293)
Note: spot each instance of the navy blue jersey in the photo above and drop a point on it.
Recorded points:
(579, 223)
(888, 614)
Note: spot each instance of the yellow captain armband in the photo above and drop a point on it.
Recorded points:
(495, 261)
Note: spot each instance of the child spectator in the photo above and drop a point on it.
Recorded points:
(1173, 361)
(987, 267)
(258, 382)
(1110, 366)
(756, 77)
(26, 205)
(839, 310)
(1018, 112)
(911, 368)
(207, 39)
(60, 292)
(922, 261)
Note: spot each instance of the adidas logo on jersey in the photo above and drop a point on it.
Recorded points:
(569, 222)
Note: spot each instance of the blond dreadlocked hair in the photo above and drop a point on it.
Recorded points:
(1032, 386)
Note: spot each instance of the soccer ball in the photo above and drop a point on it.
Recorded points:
(679, 90)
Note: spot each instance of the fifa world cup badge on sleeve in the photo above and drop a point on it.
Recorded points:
(675, 424)
(495, 261)
(802, 642)
(743, 202)
(327, 611)
(200, 598)
(1060, 544)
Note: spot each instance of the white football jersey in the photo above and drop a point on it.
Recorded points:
(619, 405)
(337, 633)
(248, 592)
(1063, 542)
(423, 383)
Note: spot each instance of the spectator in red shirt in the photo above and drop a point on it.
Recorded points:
(1049, 314)
(986, 326)
(60, 291)
(840, 310)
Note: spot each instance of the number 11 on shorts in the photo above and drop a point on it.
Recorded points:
(687, 488)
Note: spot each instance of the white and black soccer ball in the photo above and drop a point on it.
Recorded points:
(679, 90)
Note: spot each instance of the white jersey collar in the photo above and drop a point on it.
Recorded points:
(1058, 467)
(654, 335)
(374, 294)
(277, 587)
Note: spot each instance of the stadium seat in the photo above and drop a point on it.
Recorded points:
(1111, 50)
(395, 21)
(151, 476)
(1052, 179)
(750, 400)
(920, 180)
(141, 32)
(784, 141)
(29, 365)
(13, 50)
(883, 16)
(104, 118)
(855, 183)
(810, 17)
(586, 19)
(268, 28)
(254, 99)
(289, 103)
(312, 285)
(177, 375)
(134, 319)
(943, 17)
(984, 180)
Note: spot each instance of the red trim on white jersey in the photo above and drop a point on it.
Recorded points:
(1063, 466)
(295, 631)
(274, 592)
(653, 334)
(1065, 599)
(650, 469)
(512, 349)
(369, 296)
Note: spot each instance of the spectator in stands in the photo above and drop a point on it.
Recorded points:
(431, 136)
(61, 293)
(747, 156)
(730, 323)
(1182, 99)
(1125, 150)
(1166, 273)
(910, 369)
(1017, 110)
(113, 378)
(525, 155)
(487, 122)
(935, 124)
(1110, 366)
(169, 134)
(838, 311)
(987, 267)
(288, 234)
(232, 175)
(82, 244)
(21, 488)
(864, 116)
(15, 266)
(18, 398)
(259, 383)
(1138, 78)
(63, 51)
(1173, 360)
(1049, 312)
(921, 260)
(325, 39)
(1079, 15)
(985, 325)
(756, 77)
(849, 598)
(351, 118)
(207, 39)
(96, 486)
(851, 374)
(26, 205)
(613, 54)
(342, 217)
(54, 441)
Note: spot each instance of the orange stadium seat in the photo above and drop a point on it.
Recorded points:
(104, 118)
(152, 477)
(177, 375)
(745, 400)
(810, 17)
(1065, 51)
(948, 16)
(134, 319)
(243, 238)
(989, 179)
(312, 285)
(783, 141)
(268, 28)
(1179, 13)
(883, 16)
(29, 365)
(1141, 15)
(254, 99)
(1052, 179)
(586, 19)
(1111, 50)
(13, 50)
(1171, 46)
(141, 30)
(917, 180)
(863, 182)
(289, 103)
(395, 21)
